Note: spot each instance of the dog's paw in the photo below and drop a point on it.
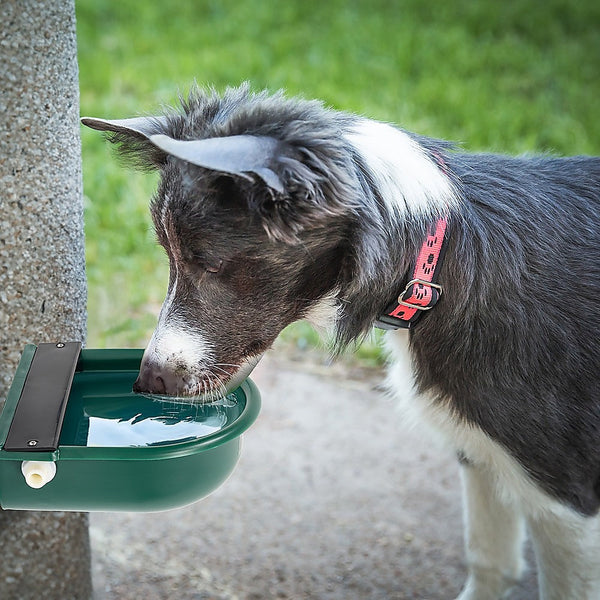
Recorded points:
(492, 586)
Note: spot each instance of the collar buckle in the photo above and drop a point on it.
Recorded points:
(433, 297)
(421, 293)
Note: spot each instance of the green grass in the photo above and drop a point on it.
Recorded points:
(518, 76)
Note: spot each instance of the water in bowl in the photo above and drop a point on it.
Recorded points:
(103, 411)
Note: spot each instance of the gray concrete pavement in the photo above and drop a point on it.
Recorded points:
(333, 499)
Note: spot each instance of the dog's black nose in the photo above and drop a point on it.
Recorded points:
(154, 379)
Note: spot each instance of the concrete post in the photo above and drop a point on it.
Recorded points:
(42, 267)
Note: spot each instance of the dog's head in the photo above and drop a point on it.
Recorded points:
(271, 208)
(255, 210)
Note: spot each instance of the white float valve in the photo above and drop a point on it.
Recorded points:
(38, 473)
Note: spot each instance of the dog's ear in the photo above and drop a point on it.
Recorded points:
(238, 155)
(307, 181)
(133, 137)
(304, 191)
(142, 127)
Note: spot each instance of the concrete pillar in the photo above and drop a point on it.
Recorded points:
(42, 266)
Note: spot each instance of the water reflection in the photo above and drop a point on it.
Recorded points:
(103, 412)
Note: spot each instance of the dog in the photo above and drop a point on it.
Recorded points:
(485, 269)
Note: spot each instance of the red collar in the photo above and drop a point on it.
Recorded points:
(421, 292)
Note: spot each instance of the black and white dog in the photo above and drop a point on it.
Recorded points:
(273, 209)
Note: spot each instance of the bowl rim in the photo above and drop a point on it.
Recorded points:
(174, 449)
(124, 359)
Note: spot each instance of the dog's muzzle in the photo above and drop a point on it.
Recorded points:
(205, 384)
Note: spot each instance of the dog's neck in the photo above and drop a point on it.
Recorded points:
(407, 188)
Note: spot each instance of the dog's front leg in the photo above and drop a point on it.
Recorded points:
(567, 548)
(494, 535)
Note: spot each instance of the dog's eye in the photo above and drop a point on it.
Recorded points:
(215, 267)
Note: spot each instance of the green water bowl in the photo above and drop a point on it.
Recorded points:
(77, 437)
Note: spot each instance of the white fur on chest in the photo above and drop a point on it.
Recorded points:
(512, 484)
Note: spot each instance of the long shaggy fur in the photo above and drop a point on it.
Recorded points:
(509, 356)
(519, 324)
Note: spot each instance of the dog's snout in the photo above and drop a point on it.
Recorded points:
(154, 379)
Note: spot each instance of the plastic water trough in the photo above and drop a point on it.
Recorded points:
(73, 436)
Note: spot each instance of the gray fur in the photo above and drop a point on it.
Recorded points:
(512, 345)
